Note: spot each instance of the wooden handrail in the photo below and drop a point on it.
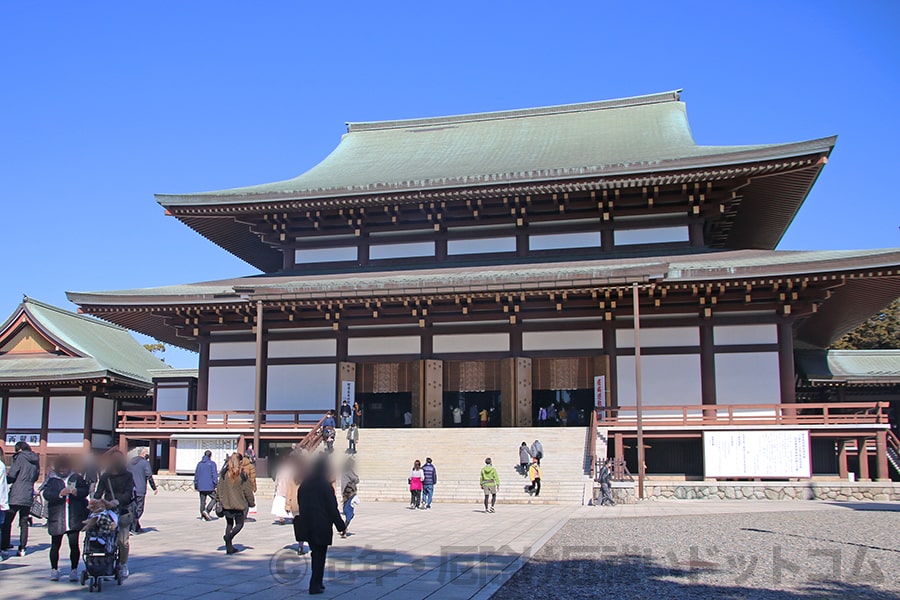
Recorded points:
(592, 445)
(199, 419)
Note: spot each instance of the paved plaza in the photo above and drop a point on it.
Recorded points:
(655, 549)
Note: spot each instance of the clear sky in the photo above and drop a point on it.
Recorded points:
(103, 104)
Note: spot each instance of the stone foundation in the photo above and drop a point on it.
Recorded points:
(626, 493)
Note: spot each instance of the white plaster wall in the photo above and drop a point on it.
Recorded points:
(25, 413)
(322, 255)
(171, 399)
(562, 241)
(66, 412)
(407, 250)
(101, 440)
(70, 440)
(232, 388)
(471, 342)
(747, 378)
(377, 346)
(656, 235)
(232, 350)
(104, 414)
(586, 339)
(301, 387)
(481, 246)
(655, 337)
(302, 348)
(736, 335)
(668, 379)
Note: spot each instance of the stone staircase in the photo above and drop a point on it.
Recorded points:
(386, 456)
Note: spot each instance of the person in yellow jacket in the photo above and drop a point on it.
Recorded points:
(490, 483)
(534, 473)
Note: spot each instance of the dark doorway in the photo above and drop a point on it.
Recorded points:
(466, 407)
(384, 410)
(571, 406)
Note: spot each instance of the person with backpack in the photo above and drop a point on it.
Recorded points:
(490, 484)
(537, 450)
(428, 483)
(236, 495)
(534, 472)
(524, 459)
(65, 493)
(22, 475)
(116, 485)
(206, 478)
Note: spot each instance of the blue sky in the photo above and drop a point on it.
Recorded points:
(103, 104)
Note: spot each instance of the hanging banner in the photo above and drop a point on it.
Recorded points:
(348, 392)
(600, 391)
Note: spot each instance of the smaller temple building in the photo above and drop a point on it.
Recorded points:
(64, 377)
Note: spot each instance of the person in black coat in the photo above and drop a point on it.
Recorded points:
(66, 495)
(22, 474)
(318, 513)
(117, 483)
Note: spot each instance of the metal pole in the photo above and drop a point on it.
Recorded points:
(635, 294)
(257, 403)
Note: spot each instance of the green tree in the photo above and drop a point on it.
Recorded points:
(881, 331)
(156, 348)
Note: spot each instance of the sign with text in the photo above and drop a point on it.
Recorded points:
(32, 439)
(600, 390)
(770, 453)
(348, 392)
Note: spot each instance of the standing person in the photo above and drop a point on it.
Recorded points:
(143, 474)
(537, 450)
(22, 474)
(551, 414)
(484, 417)
(250, 454)
(206, 478)
(248, 468)
(563, 416)
(236, 494)
(524, 459)
(416, 476)
(457, 416)
(329, 420)
(292, 504)
(473, 415)
(534, 473)
(490, 483)
(116, 485)
(357, 411)
(346, 415)
(349, 486)
(328, 435)
(66, 496)
(407, 418)
(352, 438)
(318, 513)
(604, 476)
(428, 482)
(284, 475)
(542, 416)
(4, 489)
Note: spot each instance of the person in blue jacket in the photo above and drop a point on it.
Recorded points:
(428, 483)
(206, 478)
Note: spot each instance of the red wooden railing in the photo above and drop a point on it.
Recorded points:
(212, 419)
(832, 413)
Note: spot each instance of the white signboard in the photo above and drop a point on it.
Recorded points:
(190, 450)
(32, 439)
(600, 390)
(771, 454)
(348, 392)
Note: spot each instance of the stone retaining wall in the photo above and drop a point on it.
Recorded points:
(702, 490)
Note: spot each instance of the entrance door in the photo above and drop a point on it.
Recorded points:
(384, 391)
(471, 393)
(564, 389)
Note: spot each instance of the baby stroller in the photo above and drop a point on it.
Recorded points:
(101, 554)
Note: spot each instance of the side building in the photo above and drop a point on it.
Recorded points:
(433, 269)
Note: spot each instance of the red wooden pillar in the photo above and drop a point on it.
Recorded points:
(173, 449)
(842, 459)
(619, 446)
(881, 461)
(863, 459)
(786, 363)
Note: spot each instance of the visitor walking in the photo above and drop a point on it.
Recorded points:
(490, 484)
(534, 473)
(248, 468)
(542, 416)
(206, 478)
(293, 505)
(250, 454)
(328, 435)
(349, 486)
(116, 485)
(484, 417)
(552, 414)
(4, 489)
(563, 416)
(407, 419)
(66, 495)
(284, 474)
(346, 415)
(524, 459)
(236, 495)
(473, 415)
(456, 412)
(416, 477)
(428, 483)
(318, 513)
(139, 467)
(349, 479)
(537, 450)
(329, 420)
(22, 474)
(604, 477)
(350, 502)
(352, 438)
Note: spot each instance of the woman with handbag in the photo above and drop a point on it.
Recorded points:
(22, 474)
(235, 494)
(65, 494)
(116, 485)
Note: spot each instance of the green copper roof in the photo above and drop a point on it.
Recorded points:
(101, 349)
(850, 366)
(613, 137)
